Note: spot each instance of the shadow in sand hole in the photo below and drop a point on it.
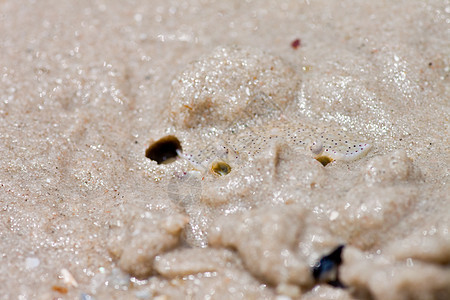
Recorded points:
(164, 150)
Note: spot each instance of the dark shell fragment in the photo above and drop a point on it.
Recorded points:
(327, 269)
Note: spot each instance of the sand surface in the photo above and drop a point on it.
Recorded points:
(246, 210)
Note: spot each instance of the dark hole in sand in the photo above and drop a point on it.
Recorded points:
(324, 160)
(221, 168)
(164, 150)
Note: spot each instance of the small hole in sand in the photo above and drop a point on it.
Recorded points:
(324, 160)
(164, 150)
(220, 168)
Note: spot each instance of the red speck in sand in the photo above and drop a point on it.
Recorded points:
(296, 43)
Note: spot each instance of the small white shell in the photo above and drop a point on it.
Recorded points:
(316, 147)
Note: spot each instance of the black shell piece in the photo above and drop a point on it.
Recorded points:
(327, 269)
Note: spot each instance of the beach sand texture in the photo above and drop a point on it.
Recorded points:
(288, 128)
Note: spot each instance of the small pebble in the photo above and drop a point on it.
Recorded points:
(68, 278)
(84, 296)
(296, 43)
(32, 262)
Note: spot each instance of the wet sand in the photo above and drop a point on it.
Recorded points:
(87, 87)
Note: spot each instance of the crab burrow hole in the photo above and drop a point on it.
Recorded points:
(220, 168)
(165, 150)
(324, 160)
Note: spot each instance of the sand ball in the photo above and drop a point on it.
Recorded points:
(230, 85)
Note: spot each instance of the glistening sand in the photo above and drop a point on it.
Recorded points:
(87, 85)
